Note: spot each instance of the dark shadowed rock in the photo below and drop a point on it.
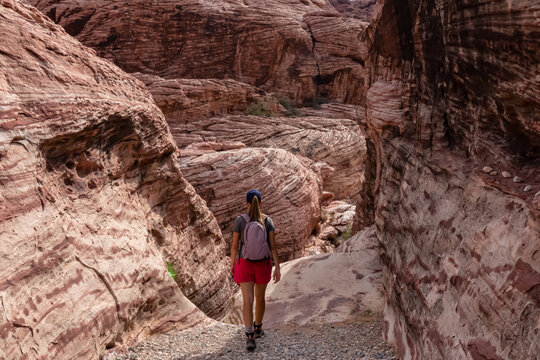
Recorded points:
(454, 88)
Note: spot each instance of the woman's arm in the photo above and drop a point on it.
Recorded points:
(273, 249)
(234, 249)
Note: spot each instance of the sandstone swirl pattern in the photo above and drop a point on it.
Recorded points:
(454, 90)
(298, 49)
(337, 146)
(291, 191)
(92, 204)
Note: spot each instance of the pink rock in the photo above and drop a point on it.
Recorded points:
(337, 146)
(290, 191)
(325, 287)
(93, 204)
(459, 248)
(300, 50)
(185, 100)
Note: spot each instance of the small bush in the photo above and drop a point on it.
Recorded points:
(171, 270)
(259, 109)
(316, 102)
(346, 235)
(291, 109)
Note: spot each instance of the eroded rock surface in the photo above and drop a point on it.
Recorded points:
(92, 204)
(451, 94)
(290, 191)
(186, 100)
(325, 288)
(273, 45)
(337, 146)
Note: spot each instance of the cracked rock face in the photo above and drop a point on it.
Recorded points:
(452, 94)
(92, 204)
(290, 191)
(290, 47)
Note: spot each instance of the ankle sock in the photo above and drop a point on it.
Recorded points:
(257, 325)
(249, 329)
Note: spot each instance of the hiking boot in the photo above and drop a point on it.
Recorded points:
(250, 341)
(258, 330)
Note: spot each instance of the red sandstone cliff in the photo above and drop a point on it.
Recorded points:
(92, 204)
(452, 108)
(299, 49)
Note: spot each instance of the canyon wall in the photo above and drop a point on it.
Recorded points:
(92, 204)
(452, 111)
(202, 60)
(291, 48)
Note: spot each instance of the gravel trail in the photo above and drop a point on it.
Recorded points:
(355, 339)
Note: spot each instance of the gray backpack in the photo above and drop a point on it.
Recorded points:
(255, 246)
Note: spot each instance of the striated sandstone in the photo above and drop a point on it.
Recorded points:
(336, 145)
(325, 288)
(92, 204)
(359, 9)
(291, 48)
(291, 192)
(256, 42)
(340, 52)
(454, 87)
(185, 100)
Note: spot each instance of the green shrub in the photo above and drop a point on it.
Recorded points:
(346, 235)
(171, 270)
(259, 109)
(291, 109)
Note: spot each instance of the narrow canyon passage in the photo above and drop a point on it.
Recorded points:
(395, 143)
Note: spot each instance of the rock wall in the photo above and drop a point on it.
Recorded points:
(452, 111)
(273, 45)
(291, 191)
(186, 100)
(92, 204)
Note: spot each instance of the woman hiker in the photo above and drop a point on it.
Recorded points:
(253, 248)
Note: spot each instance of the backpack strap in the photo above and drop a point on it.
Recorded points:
(246, 217)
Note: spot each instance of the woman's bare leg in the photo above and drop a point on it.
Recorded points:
(260, 303)
(247, 302)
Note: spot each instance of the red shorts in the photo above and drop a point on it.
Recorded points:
(257, 272)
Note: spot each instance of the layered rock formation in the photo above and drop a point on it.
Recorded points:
(326, 287)
(93, 204)
(291, 191)
(187, 100)
(360, 9)
(454, 90)
(291, 47)
(337, 146)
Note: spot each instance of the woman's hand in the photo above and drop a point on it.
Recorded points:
(277, 274)
(232, 269)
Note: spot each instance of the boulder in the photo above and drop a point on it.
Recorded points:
(290, 191)
(92, 204)
(338, 143)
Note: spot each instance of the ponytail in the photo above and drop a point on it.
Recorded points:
(255, 210)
